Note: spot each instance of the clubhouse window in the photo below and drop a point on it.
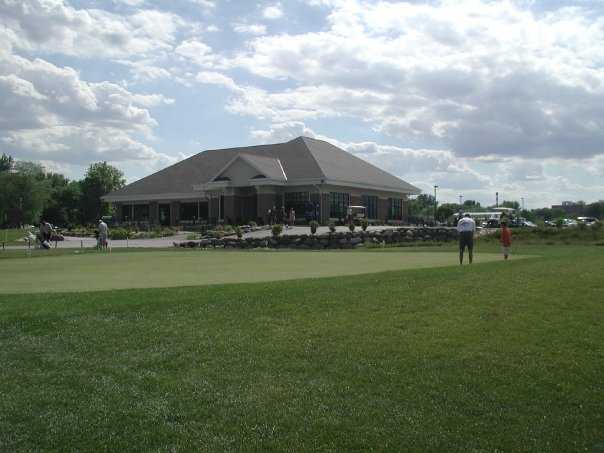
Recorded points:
(370, 202)
(396, 209)
(338, 204)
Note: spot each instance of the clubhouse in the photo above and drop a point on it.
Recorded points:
(237, 185)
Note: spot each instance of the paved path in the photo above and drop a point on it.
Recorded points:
(71, 242)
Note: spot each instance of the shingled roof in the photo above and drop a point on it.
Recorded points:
(302, 159)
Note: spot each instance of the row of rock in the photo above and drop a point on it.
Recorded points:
(337, 240)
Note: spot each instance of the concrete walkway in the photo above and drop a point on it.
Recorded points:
(71, 242)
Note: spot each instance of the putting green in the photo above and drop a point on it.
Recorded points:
(93, 272)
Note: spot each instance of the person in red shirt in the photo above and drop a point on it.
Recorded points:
(505, 239)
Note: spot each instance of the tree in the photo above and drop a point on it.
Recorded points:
(422, 206)
(446, 210)
(595, 210)
(100, 179)
(471, 205)
(511, 204)
(6, 162)
(24, 194)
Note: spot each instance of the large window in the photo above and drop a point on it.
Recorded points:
(306, 204)
(396, 209)
(370, 202)
(135, 213)
(193, 211)
(338, 204)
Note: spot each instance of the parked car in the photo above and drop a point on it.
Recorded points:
(528, 224)
(549, 223)
(569, 223)
(589, 221)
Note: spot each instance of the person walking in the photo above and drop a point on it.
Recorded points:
(103, 234)
(466, 228)
(506, 240)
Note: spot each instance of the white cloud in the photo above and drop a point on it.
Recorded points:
(273, 12)
(249, 29)
(479, 78)
(48, 112)
(216, 78)
(53, 26)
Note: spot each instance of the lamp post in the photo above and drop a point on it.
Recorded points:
(460, 198)
(522, 200)
(435, 204)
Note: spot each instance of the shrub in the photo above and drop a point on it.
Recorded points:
(253, 224)
(332, 227)
(118, 233)
(364, 224)
(313, 226)
(238, 232)
(351, 226)
(192, 236)
(277, 229)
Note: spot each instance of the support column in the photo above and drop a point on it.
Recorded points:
(174, 213)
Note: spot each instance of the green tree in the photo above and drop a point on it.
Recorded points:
(471, 206)
(6, 162)
(446, 210)
(595, 210)
(100, 179)
(422, 206)
(24, 193)
(511, 204)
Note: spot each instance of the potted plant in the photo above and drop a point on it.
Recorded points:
(364, 224)
(313, 226)
(277, 229)
(351, 227)
(332, 227)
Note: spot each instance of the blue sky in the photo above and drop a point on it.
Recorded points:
(475, 96)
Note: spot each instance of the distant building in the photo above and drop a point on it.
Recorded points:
(236, 185)
(571, 208)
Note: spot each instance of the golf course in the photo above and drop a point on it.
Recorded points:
(397, 349)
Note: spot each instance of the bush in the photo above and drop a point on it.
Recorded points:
(238, 232)
(313, 226)
(253, 224)
(332, 227)
(364, 224)
(277, 229)
(119, 233)
(192, 236)
(351, 227)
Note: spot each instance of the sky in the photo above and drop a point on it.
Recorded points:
(474, 96)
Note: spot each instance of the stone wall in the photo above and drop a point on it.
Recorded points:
(339, 240)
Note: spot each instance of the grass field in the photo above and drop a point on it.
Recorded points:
(156, 269)
(493, 357)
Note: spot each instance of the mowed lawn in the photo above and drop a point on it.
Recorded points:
(501, 356)
(156, 269)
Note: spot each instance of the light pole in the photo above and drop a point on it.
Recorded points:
(435, 204)
(460, 198)
(522, 199)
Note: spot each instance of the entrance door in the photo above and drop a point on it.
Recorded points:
(164, 214)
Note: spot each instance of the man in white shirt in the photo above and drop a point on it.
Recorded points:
(103, 234)
(466, 227)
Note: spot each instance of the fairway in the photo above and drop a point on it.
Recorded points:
(93, 272)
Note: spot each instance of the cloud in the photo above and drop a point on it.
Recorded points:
(249, 29)
(273, 11)
(48, 112)
(478, 78)
(53, 26)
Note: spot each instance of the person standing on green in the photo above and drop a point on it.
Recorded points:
(466, 228)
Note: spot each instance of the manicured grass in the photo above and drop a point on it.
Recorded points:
(156, 269)
(503, 356)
